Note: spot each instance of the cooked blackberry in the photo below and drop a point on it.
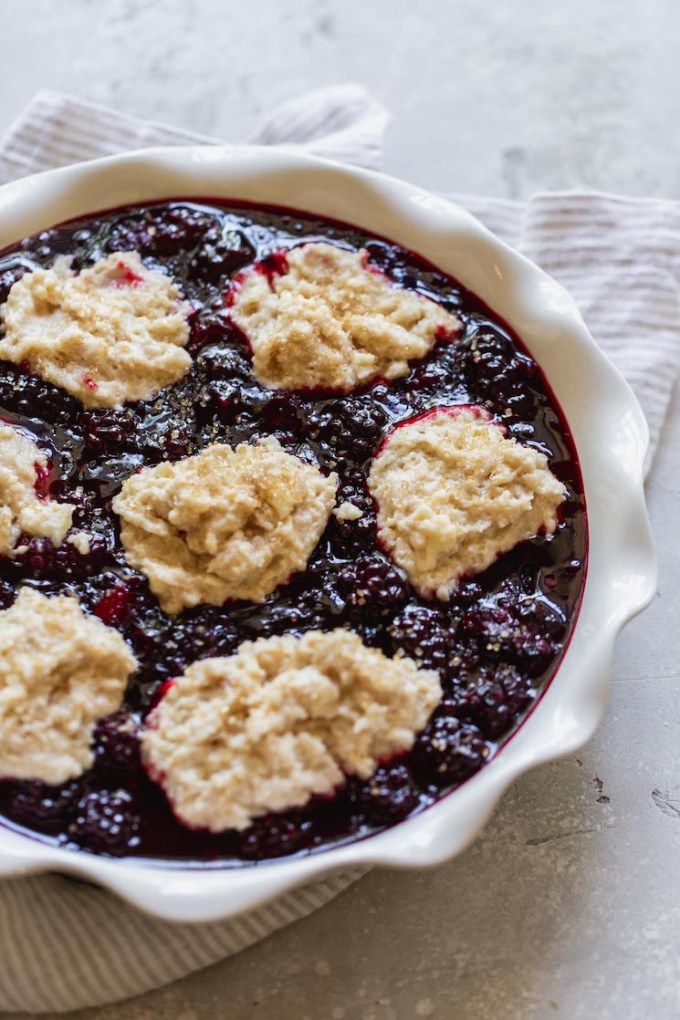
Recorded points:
(496, 371)
(106, 822)
(449, 751)
(38, 805)
(113, 606)
(108, 428)
(372, 580)
(178, 228)
(495, 698)
(275, 836)
(116, 743)
(220, 255)
(9, 277)
(198, 634)
(352, 428)
(32, 398)
(38, 558)
(426, 634)
(352, 536)
(218, 358)
(388, 796)
(503, 634)
(7, 594)
(130, 233)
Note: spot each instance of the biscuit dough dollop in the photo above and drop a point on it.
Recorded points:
(331, 322)
(279, 721)
(112, 333)
(60, 671)
(226, 523)
(21, 508)
(453, 493)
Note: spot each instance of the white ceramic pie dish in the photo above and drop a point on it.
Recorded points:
(608, 428)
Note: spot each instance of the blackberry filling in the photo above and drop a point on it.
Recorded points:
(495, 644)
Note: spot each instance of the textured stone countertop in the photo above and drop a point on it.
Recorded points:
(569, 904)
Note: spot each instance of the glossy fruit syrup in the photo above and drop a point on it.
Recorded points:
(495, 644)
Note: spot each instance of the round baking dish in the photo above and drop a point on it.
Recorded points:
(609, 432)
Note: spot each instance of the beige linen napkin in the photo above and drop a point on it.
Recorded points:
(66, 945)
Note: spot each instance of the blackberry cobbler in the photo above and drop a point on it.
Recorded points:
(292, 533)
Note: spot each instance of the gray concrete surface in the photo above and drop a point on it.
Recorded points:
(569, 904)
